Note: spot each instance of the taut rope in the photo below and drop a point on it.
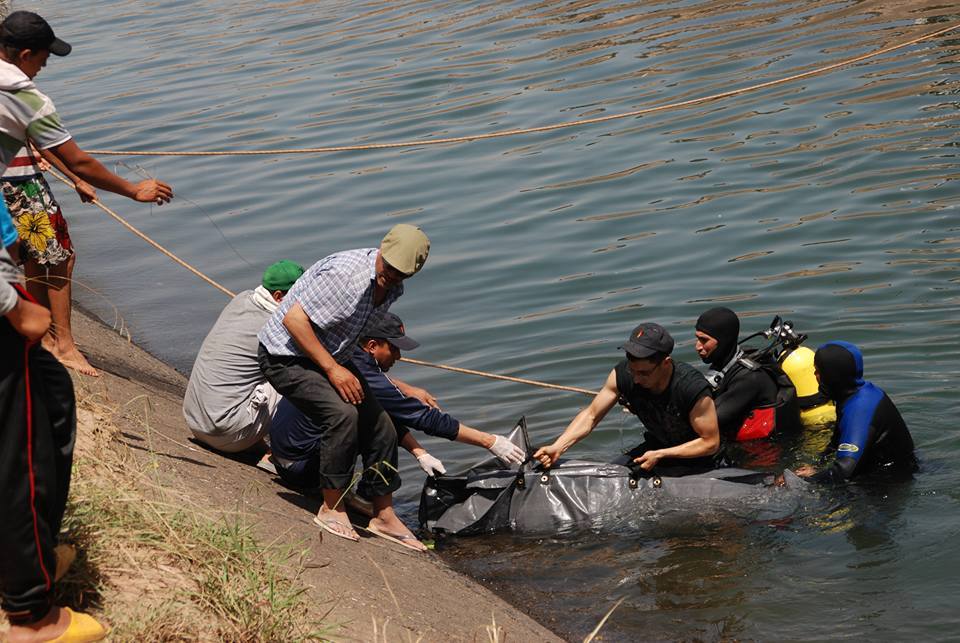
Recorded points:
(470, 138)
(230, 293)
(542, 128)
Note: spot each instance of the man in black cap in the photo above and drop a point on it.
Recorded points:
(303, 449)
(411, 407)
(28, 117)
(672, 399)
(26, 41)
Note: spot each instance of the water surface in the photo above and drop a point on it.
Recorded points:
(832, 200)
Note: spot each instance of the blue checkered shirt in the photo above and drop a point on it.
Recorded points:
(337, 295)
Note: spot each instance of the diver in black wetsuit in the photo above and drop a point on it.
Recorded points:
(870, 435)
(744, 392)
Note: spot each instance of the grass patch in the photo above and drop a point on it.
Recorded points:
(156, 566)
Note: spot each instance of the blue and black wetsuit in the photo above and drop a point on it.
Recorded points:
(870, 435)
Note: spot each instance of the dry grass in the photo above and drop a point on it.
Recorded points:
(156, 566)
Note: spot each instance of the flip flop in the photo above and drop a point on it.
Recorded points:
(332, 525)
(405, 540)
(266, 464)
(82, 628)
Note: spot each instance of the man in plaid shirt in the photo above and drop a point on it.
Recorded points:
(304, 353)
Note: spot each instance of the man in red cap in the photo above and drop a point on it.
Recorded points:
(672, 399)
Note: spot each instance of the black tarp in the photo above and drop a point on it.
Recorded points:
(491, 496)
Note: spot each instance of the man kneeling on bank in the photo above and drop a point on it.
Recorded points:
(409, 407)
(229, 403)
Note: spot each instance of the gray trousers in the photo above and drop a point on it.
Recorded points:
(345, 430)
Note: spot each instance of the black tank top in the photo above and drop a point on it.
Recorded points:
(666, 416)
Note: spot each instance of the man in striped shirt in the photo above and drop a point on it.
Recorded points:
(305, 350)
(27, 114)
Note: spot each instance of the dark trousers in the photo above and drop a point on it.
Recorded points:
(38, 424)
(343, 430)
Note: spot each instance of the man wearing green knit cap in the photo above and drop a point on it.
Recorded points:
(229, 403)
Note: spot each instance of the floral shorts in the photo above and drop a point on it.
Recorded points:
(42, 228)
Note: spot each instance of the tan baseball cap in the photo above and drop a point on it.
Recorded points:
(405, 248)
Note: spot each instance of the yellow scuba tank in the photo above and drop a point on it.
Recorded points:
(815, 410)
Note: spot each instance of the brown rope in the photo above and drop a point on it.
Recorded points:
(476, 137)
(505, 378)
(230, 293)
(153, 243)
(543, 128)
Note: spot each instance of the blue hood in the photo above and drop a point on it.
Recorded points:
(840, 366)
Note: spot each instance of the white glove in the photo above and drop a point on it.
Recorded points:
(431, 465)
(507, 451)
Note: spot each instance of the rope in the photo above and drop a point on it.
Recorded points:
(470, 138)
(505, 378)
(230, 293)
(543, 128)
(153, 243)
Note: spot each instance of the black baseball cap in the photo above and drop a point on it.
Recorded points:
(390, 328)
(646, 340)
(30, 31)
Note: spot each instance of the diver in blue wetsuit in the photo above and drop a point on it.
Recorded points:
(870, 435)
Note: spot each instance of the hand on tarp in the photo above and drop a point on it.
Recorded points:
(648, 460)
(547, 455)
(431, 465)
(507, 451)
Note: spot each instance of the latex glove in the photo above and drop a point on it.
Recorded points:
(431, 465)
(507, 451)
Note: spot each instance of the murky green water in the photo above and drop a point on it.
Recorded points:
(832, 200)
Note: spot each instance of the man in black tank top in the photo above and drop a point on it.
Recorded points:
(672, 399)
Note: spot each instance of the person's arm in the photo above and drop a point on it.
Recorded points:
(495, 444)
(27, 318)
(853, 441)
(410, 444)
(581, 426)
(91, 170)
(703, 420)
(84, 190)
(416, 392)
(346, 383)
(430, 465)
(8, 275)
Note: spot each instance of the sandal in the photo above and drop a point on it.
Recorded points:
(405, 540)
(83, 628)
(337, 528)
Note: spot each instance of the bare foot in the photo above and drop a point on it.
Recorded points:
(73, 358)
(49, 627)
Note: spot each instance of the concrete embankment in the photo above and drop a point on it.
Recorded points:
(367, 591)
